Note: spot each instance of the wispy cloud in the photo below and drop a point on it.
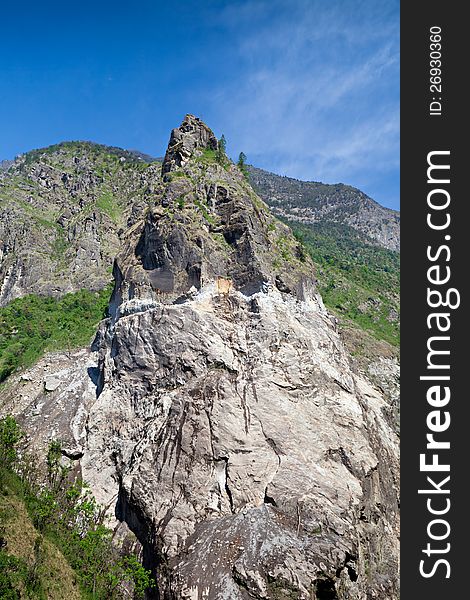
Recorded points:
(318, 94)
(308, 88)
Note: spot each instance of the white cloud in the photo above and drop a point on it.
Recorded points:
(315, 98)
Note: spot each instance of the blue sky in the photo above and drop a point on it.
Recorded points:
(306, 88)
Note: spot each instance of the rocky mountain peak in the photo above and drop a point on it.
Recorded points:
(216, 415)
(62, 209)
(206, 224)
(191, 135)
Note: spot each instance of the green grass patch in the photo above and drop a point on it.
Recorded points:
(207, 216)
(357, 280)
(177, 175)
(258, 203)
(33, 325)
(207, 156)
(107, 204)
(284, 246)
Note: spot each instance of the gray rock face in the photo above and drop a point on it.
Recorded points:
(61, 213)
(52, 399)
(218, 414)
(192, 134)
(253, 414)
(5, 165)
(241, 449)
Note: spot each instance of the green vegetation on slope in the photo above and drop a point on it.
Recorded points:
(32, 325)
(359, 282)
(111, 153)
(31, 566)
(107, 204)
(54, 541)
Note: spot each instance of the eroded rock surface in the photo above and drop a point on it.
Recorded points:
(62, 210)
(191, 135)
(218, 414)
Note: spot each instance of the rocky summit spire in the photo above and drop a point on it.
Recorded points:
(205, 223)
(189, 136)
(246, 454)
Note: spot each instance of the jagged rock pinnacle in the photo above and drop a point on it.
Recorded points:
(189, 136)
(206, 223)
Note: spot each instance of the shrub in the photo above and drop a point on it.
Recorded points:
(32, 325)
(66, 513)
(10, 436)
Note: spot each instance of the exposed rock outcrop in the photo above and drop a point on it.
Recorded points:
(191, 135)
(218, 413)
(62, 210)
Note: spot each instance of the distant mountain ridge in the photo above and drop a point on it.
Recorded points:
(310, 202)
(63, 210)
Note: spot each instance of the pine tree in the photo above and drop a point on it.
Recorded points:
(241, 160)
(242, 164)
(221, 147)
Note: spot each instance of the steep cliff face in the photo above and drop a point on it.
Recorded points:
(217, 412)
(62, 210)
